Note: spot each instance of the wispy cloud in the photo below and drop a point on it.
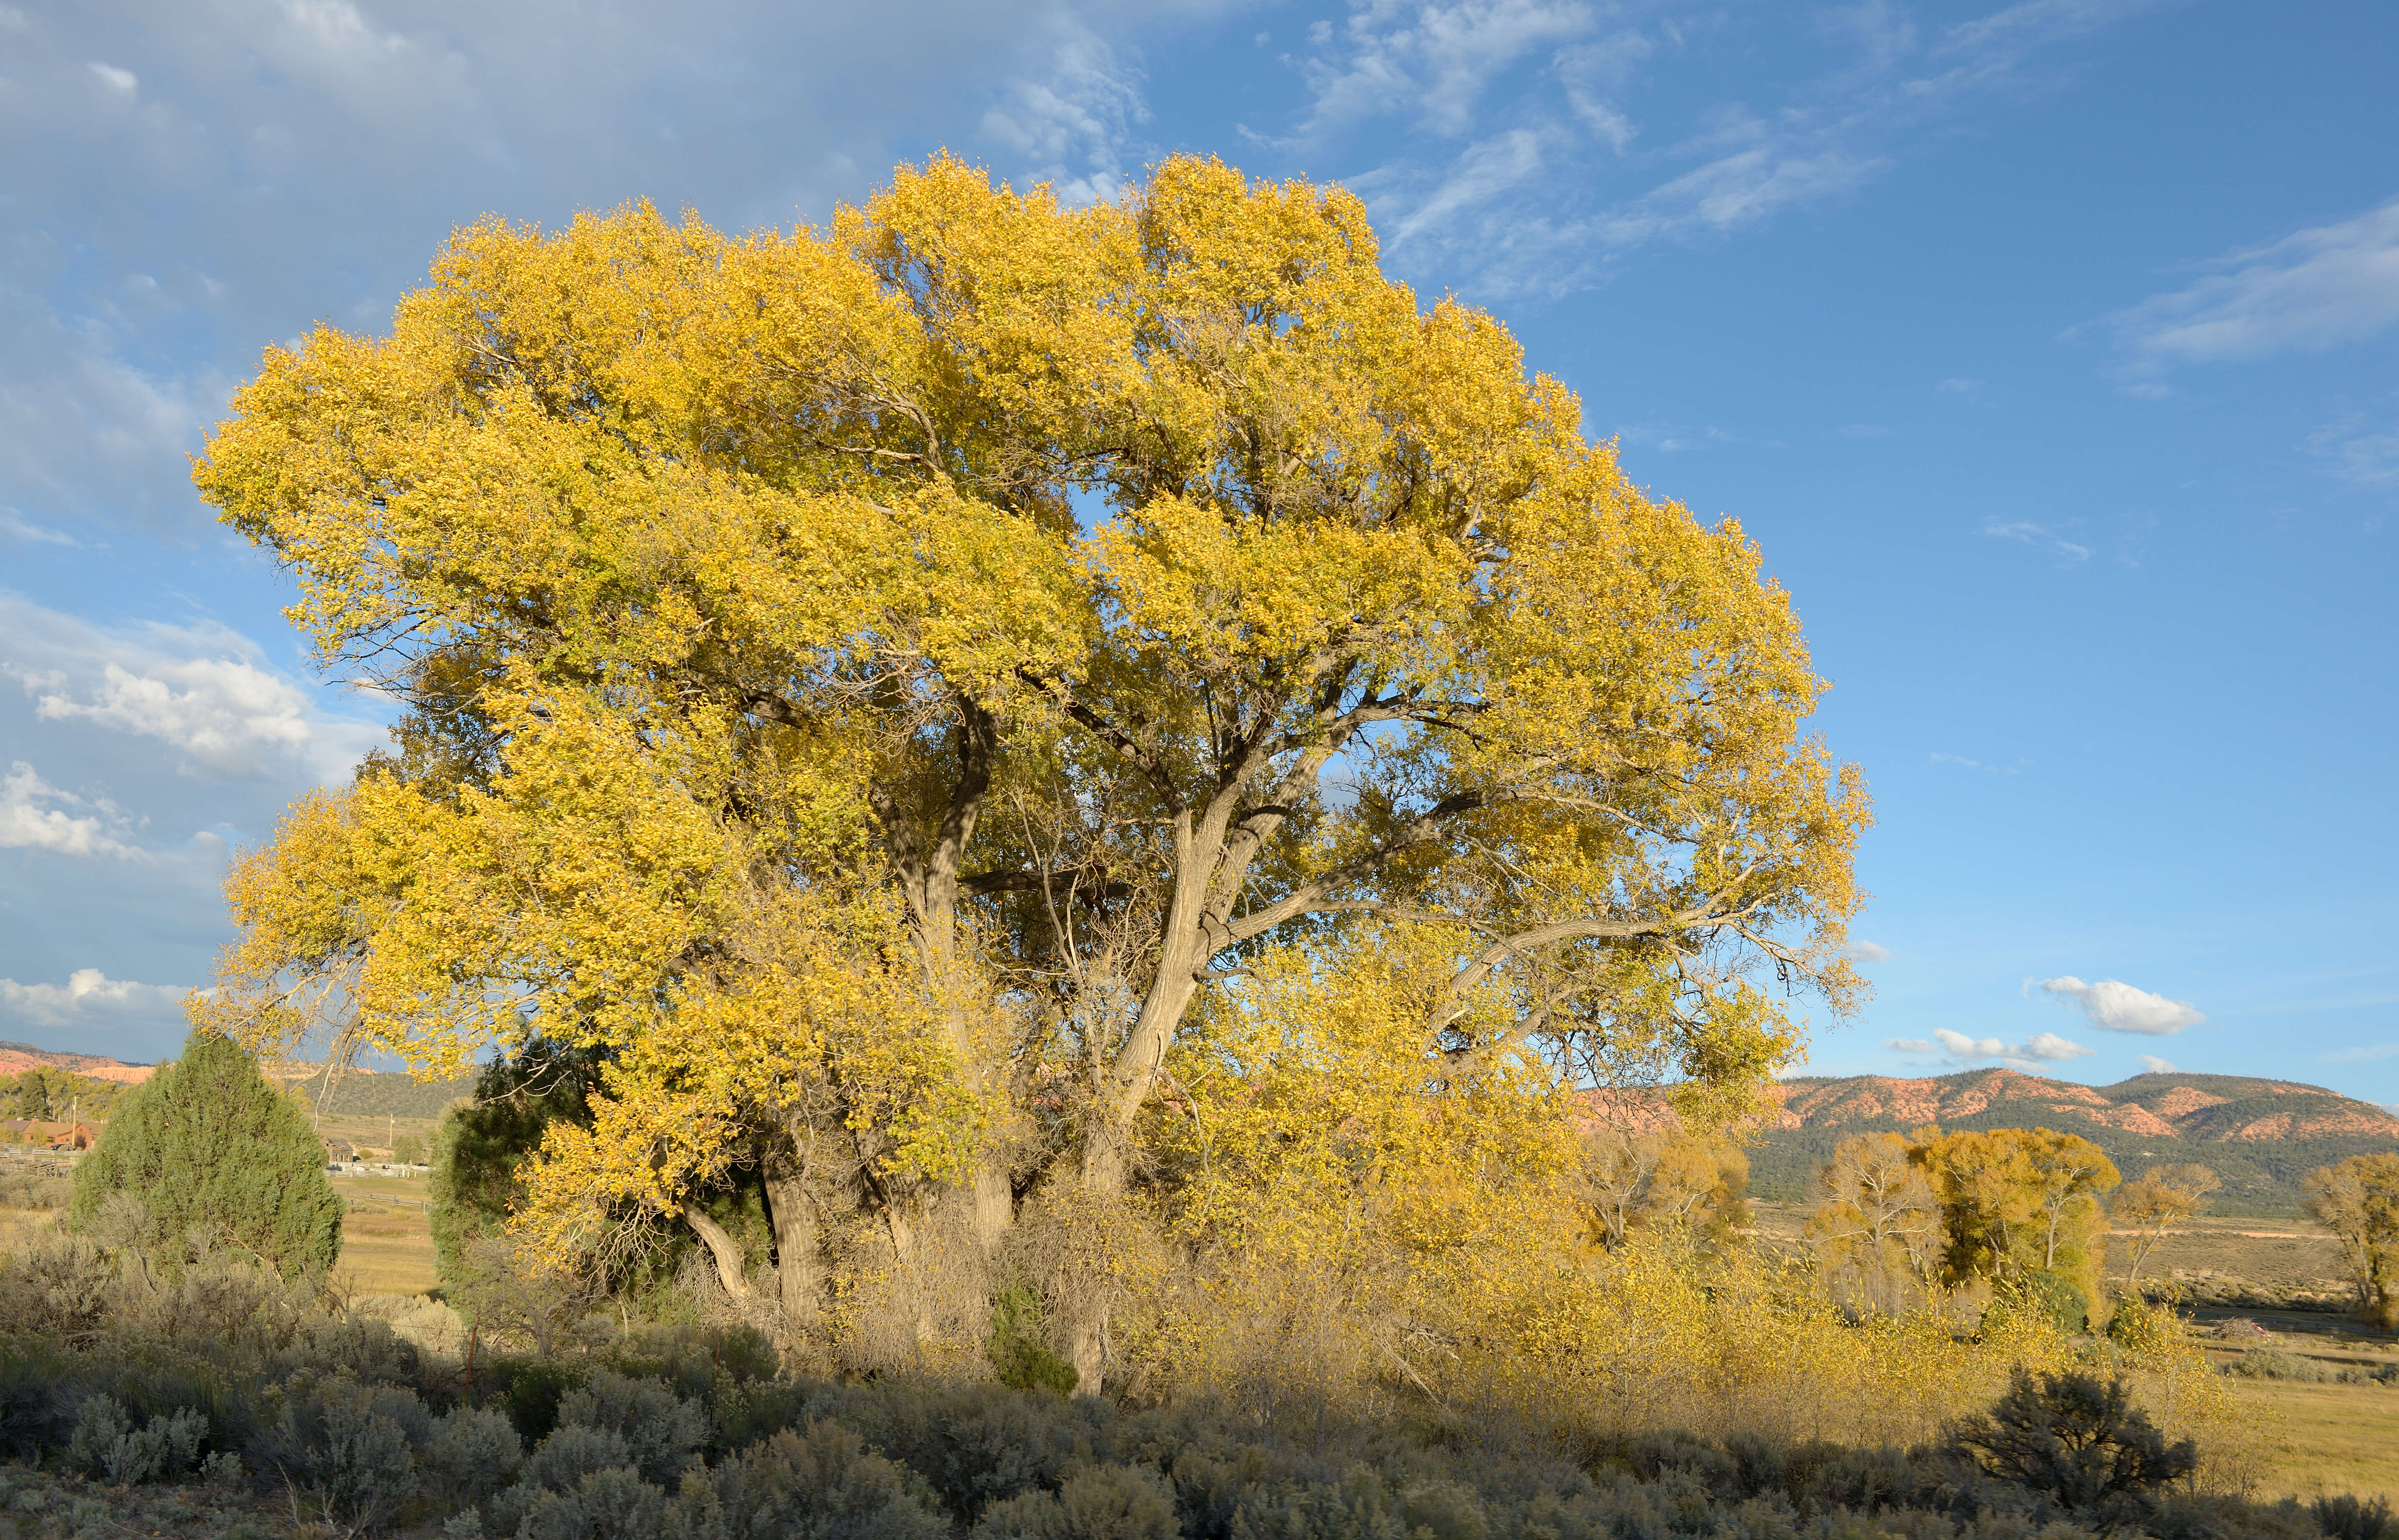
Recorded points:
(2039, 537)
(2361, 450)
(1865, 951)
(1964, 763)
(2153, 1065)
(2114, 1006)
(2316, 289)
(2365, 1054)
(16, 526)
(1071, 121)
(1480, 110)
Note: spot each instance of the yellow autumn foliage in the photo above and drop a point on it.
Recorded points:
(882, 689)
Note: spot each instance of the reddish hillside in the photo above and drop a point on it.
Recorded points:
(17, 1057)
(2261, 1136)
(2207, 1109)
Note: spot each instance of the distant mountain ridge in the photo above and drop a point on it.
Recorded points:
(17, 1057)
(356, 1092)
(2261, 1136)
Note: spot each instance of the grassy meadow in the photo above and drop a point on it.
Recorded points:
(387, 1240)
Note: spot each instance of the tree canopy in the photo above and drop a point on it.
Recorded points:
(885, 688)
(210, 1156)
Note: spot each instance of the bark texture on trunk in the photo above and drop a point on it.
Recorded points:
(799, 1271)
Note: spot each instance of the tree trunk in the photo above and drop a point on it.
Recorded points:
(726, 1252)
(799, 1271)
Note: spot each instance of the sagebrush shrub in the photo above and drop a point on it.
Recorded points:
(1102, 1502)
(818, 1483)
(662, 1432)
(606, 1505)
(351, 1446)
(474, 1452)
(573, 1451)
(106, 1443)
(2349, 1518)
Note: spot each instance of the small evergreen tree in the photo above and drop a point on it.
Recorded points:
(211, 1150)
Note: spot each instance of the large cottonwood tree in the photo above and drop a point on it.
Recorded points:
(871, 680)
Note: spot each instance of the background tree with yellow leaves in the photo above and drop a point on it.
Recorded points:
(1878, 1230)
(875, 686)
(2163, 1200)
(2021, 1208)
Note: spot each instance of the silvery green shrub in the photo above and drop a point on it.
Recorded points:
(662, 1431)
(474, 1452)
(105, 1444)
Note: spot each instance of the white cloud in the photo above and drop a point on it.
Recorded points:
(2365, 1054)
(204, 690)
(2113, 1006)
(120, 82)
(1911, 1045)
(229, 715)
(1865, 951)
(1460, 103)
(27, 824)
(2040, 1049)
(2310, 291)
(17, 527)
(88, 994)
(2153, 1065)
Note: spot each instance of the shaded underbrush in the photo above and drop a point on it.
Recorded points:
(697, 1436)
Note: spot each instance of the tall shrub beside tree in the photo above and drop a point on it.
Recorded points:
(214, 1156)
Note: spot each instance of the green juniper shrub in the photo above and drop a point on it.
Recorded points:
(206, 1148)
(1018, 1347)
(529, 1389)
(2059, 1297)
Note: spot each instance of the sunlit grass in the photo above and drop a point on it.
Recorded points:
(387, 1241)
(2332, 1439)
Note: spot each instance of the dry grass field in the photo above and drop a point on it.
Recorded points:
(2328, 1438)
(387, 1241)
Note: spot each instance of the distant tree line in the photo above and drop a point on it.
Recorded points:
(46, 1093)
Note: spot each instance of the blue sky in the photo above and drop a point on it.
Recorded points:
(2050, 352)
